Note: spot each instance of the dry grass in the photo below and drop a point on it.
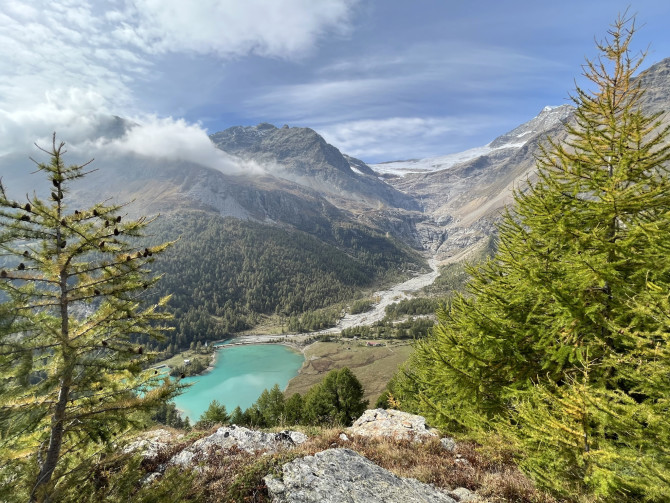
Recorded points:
(429, 462)
(233, 475)
(373, 366)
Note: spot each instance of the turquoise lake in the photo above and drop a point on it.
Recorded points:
(240, 375)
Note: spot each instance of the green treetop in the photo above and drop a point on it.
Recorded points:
(337, 399)
(562, 344)
(215, 414)
(71, 378)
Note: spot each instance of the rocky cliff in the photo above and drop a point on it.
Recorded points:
(463, 195)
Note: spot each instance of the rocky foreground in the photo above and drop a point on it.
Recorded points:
(344, 475)
(336, 473)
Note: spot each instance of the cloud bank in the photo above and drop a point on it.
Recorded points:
(282, 29)
(172, 139)
(68, 65)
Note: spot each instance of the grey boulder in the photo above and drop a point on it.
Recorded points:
(240, 437)
(342, 475)
(392, 423)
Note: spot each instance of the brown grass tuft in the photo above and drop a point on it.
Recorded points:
(232, 475)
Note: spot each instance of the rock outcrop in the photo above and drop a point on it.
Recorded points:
(339, 475)
(333, 475)
(243, 438)
(393, 424)
(150, 444)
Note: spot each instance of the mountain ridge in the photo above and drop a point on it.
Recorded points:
(303, 156)
(297, 182)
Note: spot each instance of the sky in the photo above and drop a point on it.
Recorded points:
(381, 80)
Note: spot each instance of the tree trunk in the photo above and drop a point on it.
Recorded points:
(55, 441)
(58, 417)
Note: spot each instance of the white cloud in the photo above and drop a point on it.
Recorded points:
(389, 139)
(65, 64)
(305, 102)
(58, 71)
(286, 28)
(73, 113)
(173, 139)
(370, 83)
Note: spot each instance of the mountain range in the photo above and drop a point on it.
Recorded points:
(291, 180)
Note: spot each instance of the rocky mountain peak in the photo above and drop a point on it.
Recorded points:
(548, 117)
(303, 156)
(656, 83)
(266, 126)
(300, 150)
(239, 139)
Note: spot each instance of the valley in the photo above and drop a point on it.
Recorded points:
(360, 251)
(282, 225)
(380, 301)
(459, 199)
(298, 231)
(373, 366)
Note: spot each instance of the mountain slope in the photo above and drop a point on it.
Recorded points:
(514, 139)
(252, 243)
(289, 186)
(224, 274)
(462, 201)
(301, 155)
(463, 194)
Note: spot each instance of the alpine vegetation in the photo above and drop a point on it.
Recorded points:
(561, 345)
(71, 376)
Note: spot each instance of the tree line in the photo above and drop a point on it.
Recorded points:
(335, 401)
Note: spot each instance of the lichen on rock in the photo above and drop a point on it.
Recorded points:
(342, 475)
(243, 438)
(392, 423)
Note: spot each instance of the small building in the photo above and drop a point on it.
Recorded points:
(187, 361)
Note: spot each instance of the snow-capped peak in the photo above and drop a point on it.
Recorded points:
(547, 118)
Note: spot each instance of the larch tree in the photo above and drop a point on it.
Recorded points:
(72, 379)
(562, 343)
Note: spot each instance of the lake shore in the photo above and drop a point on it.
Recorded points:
(296, 344)
(301, 342)
(241, 373)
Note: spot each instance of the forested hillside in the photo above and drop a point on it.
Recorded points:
(224, 273)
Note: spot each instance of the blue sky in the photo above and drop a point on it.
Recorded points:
(380, 79)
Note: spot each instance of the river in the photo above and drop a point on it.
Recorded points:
(382, 298)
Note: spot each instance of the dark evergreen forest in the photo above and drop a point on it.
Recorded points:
(223, 274)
